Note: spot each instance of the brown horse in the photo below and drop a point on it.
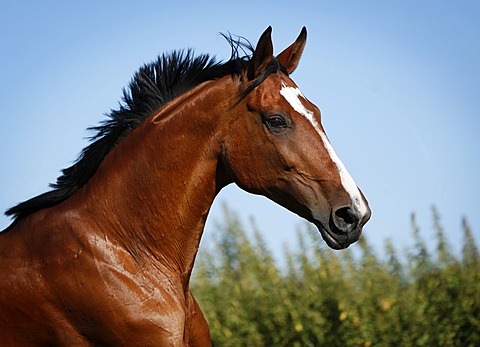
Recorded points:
(105, 258)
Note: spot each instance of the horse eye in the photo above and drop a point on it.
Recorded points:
(276, 121)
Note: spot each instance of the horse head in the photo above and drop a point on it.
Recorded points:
(277, 148)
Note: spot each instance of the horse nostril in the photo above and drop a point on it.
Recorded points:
(345, 218)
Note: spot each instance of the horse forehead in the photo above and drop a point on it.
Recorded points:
(272, 89)
(295, 98)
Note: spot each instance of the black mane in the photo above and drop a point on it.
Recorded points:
(152, 86)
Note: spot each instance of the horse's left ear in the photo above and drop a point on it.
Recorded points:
(262, 56)
(290, 57)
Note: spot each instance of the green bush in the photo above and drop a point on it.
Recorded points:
(329, 298)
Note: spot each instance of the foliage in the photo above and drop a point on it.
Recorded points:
(327, 298)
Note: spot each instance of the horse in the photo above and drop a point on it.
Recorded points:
(105, 257)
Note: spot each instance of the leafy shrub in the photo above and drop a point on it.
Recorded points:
(327, 298)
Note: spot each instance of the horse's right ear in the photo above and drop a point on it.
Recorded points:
(262, 56)
(290, 57)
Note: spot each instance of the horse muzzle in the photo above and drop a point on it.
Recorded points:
(344, 226)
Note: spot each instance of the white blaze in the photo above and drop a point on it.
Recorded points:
(292, 95)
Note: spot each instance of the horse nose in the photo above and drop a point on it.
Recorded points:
(345, 218)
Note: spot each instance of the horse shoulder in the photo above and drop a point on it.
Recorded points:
(65, 281)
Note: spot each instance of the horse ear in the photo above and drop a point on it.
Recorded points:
(290, 57)
(262, 56)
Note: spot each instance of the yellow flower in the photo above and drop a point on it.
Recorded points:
(298, 327)
(386, 305)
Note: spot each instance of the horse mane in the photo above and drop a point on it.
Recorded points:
(151, 87)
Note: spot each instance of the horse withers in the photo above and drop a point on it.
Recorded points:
(105, 257)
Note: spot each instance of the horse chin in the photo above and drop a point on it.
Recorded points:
(336, 239)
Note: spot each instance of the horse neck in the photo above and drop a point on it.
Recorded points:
(153, 192)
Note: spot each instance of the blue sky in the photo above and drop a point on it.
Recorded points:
(397, 82)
